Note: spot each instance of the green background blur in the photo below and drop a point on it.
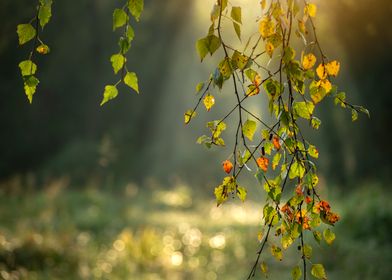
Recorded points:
(123, 192)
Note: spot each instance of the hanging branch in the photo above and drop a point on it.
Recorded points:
(282, 156)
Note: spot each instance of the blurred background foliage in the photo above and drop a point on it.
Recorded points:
(123, 191)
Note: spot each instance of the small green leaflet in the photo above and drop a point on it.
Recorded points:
(45, 12)
(303, 109)
(317, 236)
(315, 122)
(207, 45)
(117, 61)
(354, 115)
(130, 80)
(249, 129)
(307, 250)
(110, 93)
(236, 16)
(225, 68)
(119, 18)
(30, 86)
(136, 7)
(329, 236)
(312, 151)
(318, 271)
(286, 241)
(130, 33)
(277, 252)
(296, 273)
(264, 269)
(296, 170)
(27, 68)
(26, 32)
(241, 193)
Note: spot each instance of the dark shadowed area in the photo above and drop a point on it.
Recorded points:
(124, 192)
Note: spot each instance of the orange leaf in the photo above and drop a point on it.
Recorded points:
(262, 162)
(227, 166)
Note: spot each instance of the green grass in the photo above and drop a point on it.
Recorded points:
(151, 233)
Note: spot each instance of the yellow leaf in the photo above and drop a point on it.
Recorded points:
(209, 101)
(325, 84)
(302, 27)
(321, 72)
(188, 115)
(252, 90)
(333, 68)
(266, 27)
(308, 61)
(257, 80)
(263, 4)
(311, 10)
(269, 48)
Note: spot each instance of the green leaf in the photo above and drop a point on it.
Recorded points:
(27, 68)
(296, 273)
(312, 151)
(216, 127)
(136, 7)
(286, 241)
(131, 80)
(277, 252)
(124, 45)
(199, 87)
(354, 115)
(189, 115)
(340, 98)
(241, 193)
(207, 45)
(364, 111)
(130, 33)
(222, 191)
(303, 109)
(270, 215)
(276, 160)
(315, 122)
(26, 32)
(202, 47)
(31, 81)
(29, 91)
(221, 194)
(264, 269)
(296, 170)
(110, 93)
(45, 13)
(225, 68)
(236, 16)
(307, 251)
(118, 61)
(30, 86)
(318, 271)
(239, 60)
(119, 18)
(249, 129)
(317, 236)
(237, 29)
(329, 236)
(289, 54)
(317, 93)
(273, 88)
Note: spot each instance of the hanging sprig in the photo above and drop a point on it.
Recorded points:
(121, 19)
(280, 153)
(28, 32)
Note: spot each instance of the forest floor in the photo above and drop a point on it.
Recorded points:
(153, 233)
